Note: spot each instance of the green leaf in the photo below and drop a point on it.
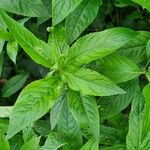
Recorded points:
(123, 3)
(1, 46)
(14, 84)
(146, 119)
(148, 49)
(38, 50)
(12, 49)
(90, 145)
(110, 106)
(53, 142)
(4, 35)
(1, 61)
(135, 49)
(85, 111)
(115, 147)
(135, 122)
(118, 68)
(56, 110)
(28, 133)
(2, 27)
(99, 44)
(144, 3)
(62, 8)
(109, 135)
(33, 102)
(5, 111)
(90, 82)
(68, 128)
(81, 18)
(34, 8)
(57, 40)
(4, 142)
(4, 125)
(33, 144)
(42, 127)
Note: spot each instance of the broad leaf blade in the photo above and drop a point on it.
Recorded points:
(34, 8)
(81, 18)
(97, 45)
(118, 68)
(90, 82)
(68, 127)
(135, 122)
(110, 106)
(33, 102)
(62, 8)
(56, 110)
(38, 50)
(85, 111)
(135, 49)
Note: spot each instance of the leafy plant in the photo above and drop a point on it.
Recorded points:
(66, 86)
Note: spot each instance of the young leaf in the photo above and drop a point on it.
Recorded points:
(62, 8)
(81, 18)
(85, 111)
(34, 8)
(90, 82)
(110, 106)
(38, 50)
(144, 3)
(92, 144)
(53, 142)
(32, 144)
(33, 102)
(118, 68)
(135, 122)
(14, 84)
(97, 45)
(4, 142)
(12, 49)
(57, 40)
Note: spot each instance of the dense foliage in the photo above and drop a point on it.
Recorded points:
(74, 74)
